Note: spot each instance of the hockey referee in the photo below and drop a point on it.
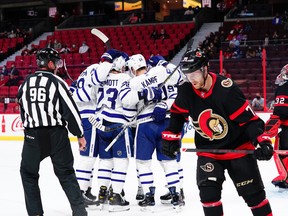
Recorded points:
(46, 109)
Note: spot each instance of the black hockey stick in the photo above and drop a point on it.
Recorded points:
(236, 151)
(102, 37)
(66, 71)
(138, 112)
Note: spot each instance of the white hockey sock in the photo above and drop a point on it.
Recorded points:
(145, 174)
(181, 175)
(119, 173)
(84, 171)
(105, 167)
(138, 178)
(171, 173)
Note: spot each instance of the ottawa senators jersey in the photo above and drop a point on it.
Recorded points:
(222, 117)
(281, 102)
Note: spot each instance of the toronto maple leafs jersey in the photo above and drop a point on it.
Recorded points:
(153, 78)
(107, 96)
(222, 117)
(85, 94)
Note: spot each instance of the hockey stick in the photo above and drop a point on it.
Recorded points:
(102, 37)
(236, 151)
(138, 112)
(98, 125)
(66, 71)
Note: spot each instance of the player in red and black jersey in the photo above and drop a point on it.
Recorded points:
(279, 119)
(223, 119)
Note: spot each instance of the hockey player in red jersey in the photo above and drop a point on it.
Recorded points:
(223, 119)
(279, 118)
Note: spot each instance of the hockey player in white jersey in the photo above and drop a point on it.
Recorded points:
(85, 95)
(158, 60)
(148, 131)
(114, 114)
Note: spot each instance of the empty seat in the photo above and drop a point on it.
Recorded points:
(4, 91)
(13, 90)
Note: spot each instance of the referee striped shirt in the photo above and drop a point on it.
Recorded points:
(45, 100)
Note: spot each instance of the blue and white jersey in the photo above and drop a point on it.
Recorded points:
(94, 74)
(108, 96)
(85, 95)
(153, 78)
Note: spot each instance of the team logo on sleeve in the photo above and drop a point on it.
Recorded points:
(227, 83)
(210, 125)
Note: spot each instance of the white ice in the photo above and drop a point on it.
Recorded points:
(55, 202)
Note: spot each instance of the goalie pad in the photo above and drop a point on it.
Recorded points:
(281, 165)
(272, 126)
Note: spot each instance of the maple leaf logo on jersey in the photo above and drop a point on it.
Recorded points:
(210, 125)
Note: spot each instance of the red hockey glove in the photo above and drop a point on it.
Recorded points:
(170, 145)
(272, 125)
(265, 149)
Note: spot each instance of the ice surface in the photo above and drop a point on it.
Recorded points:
(55, 202)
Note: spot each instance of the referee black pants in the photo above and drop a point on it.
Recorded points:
(40, 143)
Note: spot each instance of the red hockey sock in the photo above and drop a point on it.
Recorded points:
(213, 208)
(262, 209)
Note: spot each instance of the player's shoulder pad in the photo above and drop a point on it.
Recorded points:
(93, 66)
(157, 69)
(227, 83)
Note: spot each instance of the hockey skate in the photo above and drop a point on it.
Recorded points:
(281, 183)
(177, 200)
(102, 197)
(111, 192)
(89, 194)
(166, 198)
(140, 193)
(89, 199)
(117, 203)
(182, 194)
(148, 202)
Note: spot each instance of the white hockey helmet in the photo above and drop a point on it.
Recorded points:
(283, 76)
(119, 64)
(138, 61)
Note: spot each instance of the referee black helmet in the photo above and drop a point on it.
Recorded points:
(48, 54)
(193, 60)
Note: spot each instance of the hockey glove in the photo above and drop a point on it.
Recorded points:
(156, 60)
(150, 94)
(272, 125)
(125, 56)
(170, 145)
(110, 55)
(159, 112)
(265, 149)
